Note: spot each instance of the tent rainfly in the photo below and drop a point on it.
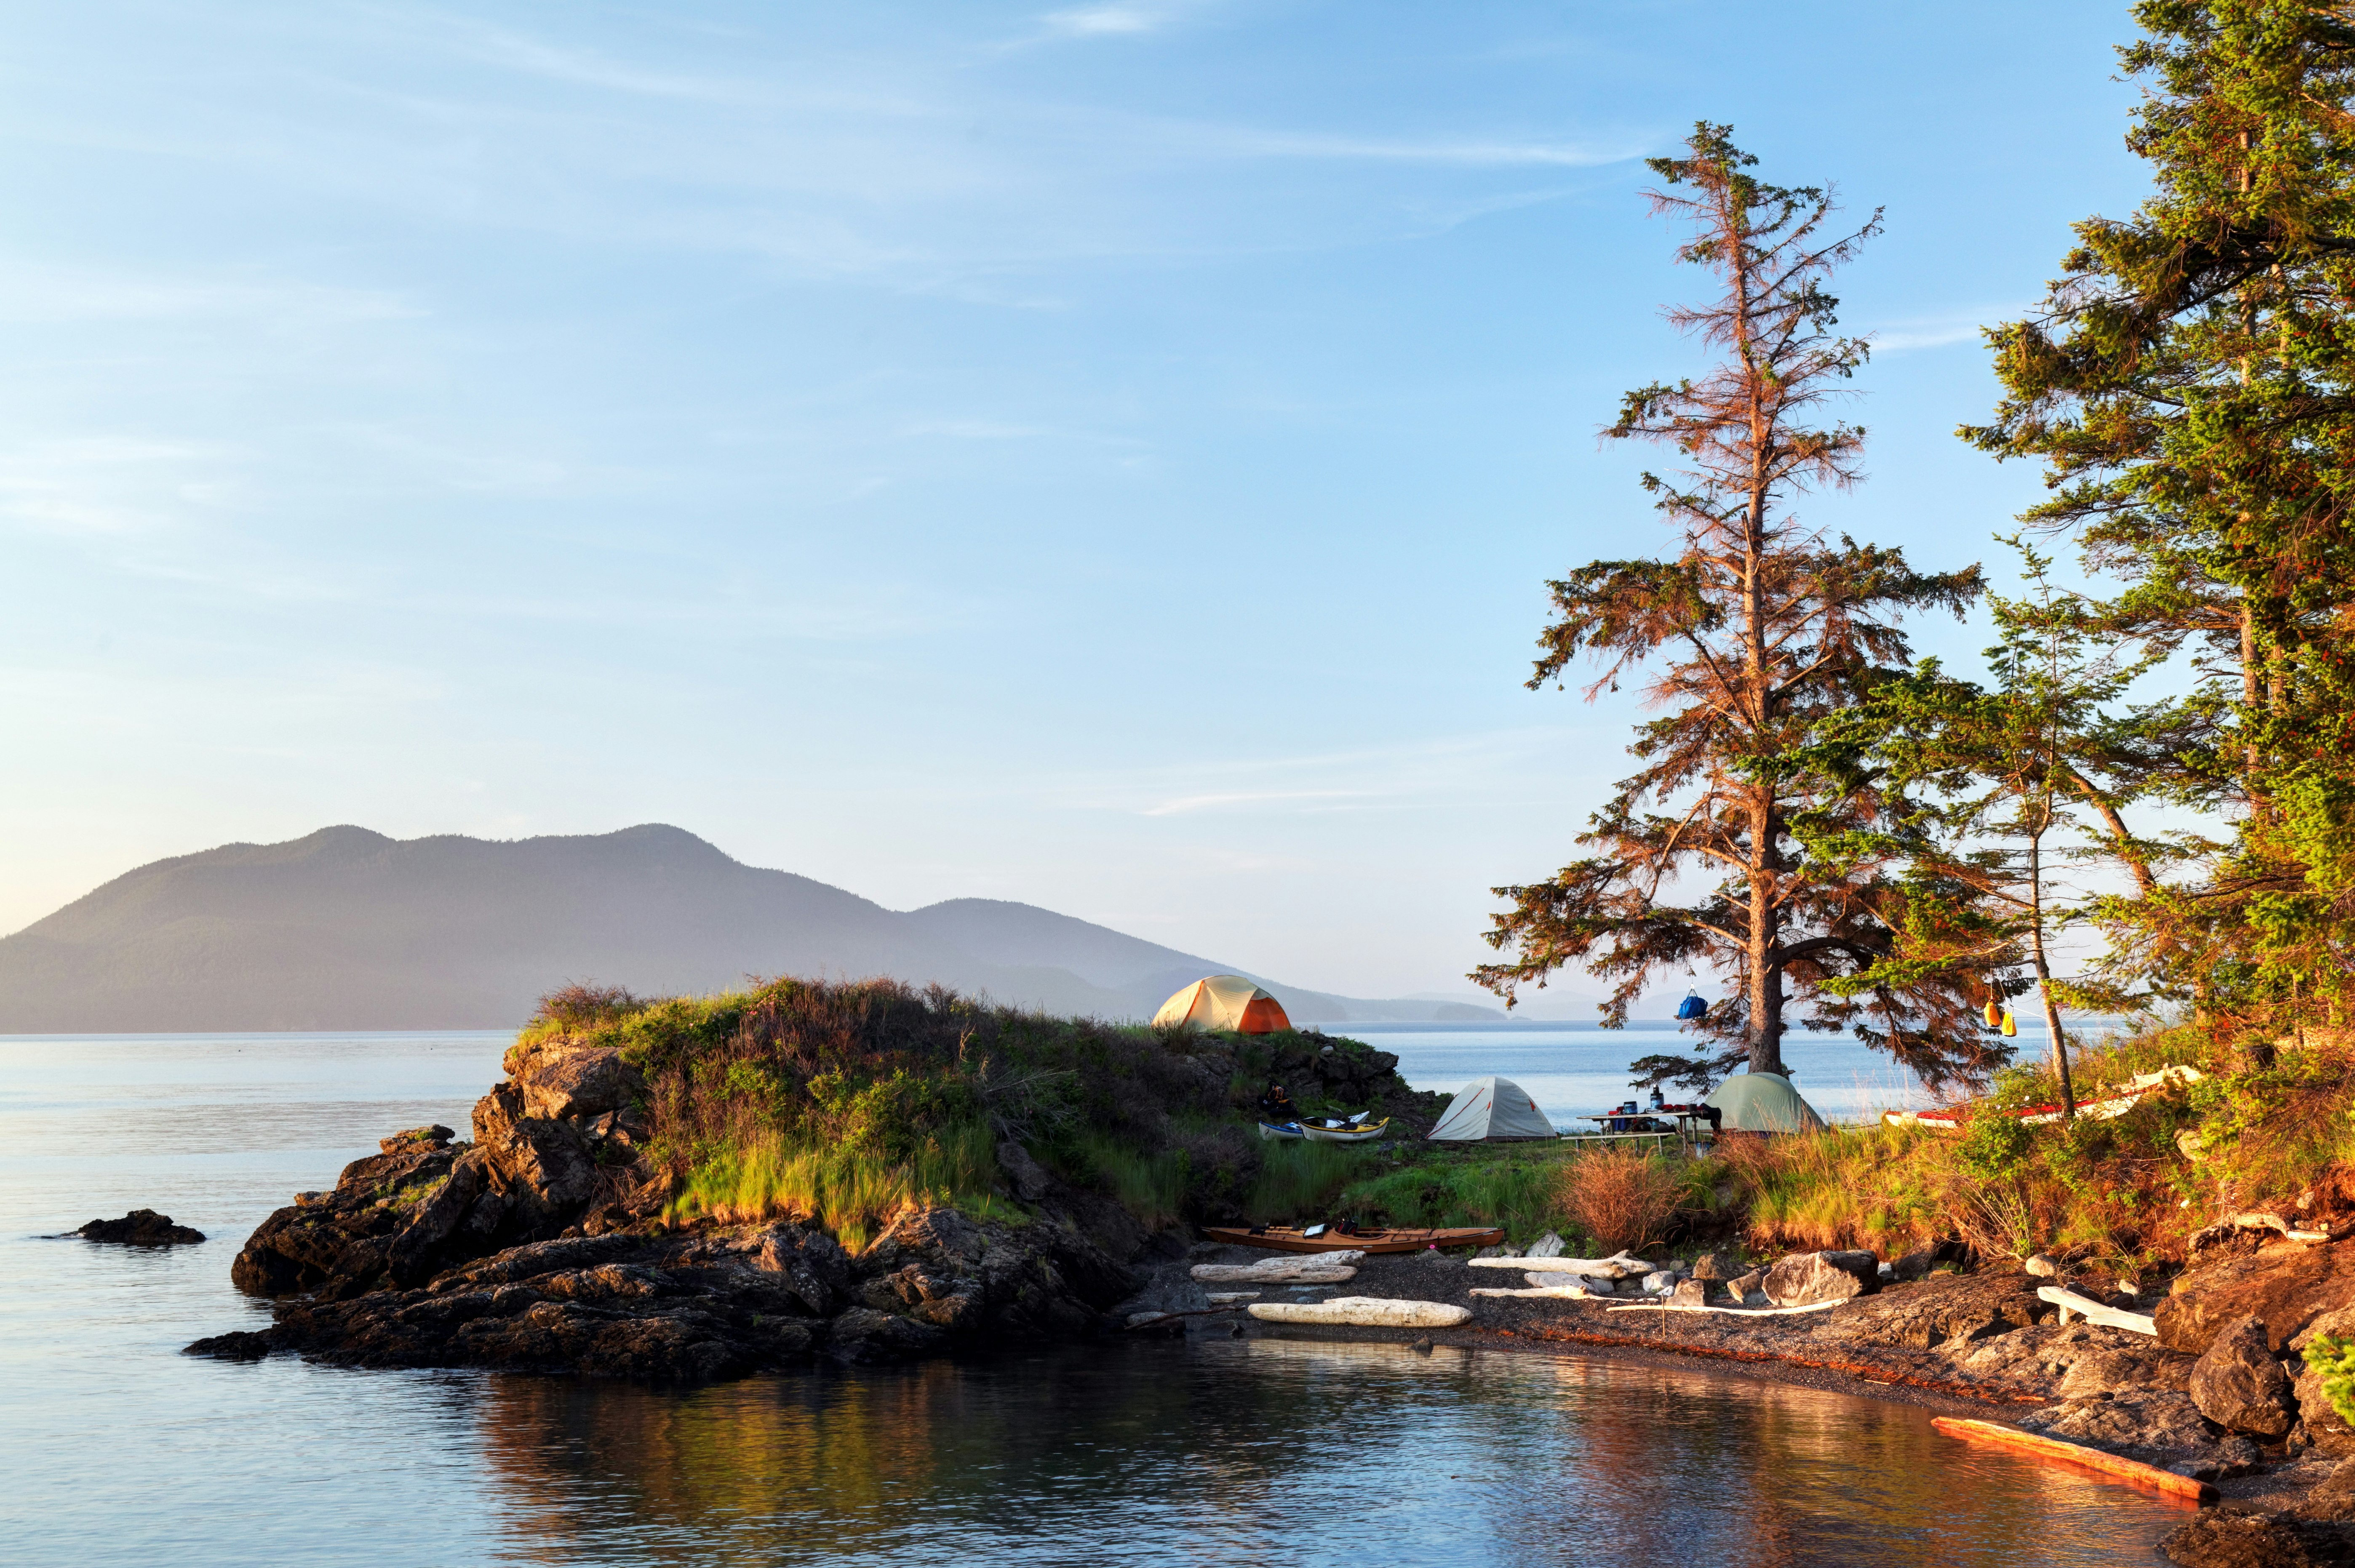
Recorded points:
(1763, 1103)
(1491, 1110)
(1223, 1002)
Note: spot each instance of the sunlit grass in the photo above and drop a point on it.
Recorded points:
(853, 1193)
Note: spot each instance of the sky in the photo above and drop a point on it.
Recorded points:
(1106, 457)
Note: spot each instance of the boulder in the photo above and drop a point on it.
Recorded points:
(1024, 1175)
(1916, 1264)
(1807, 1278)
(2041, 1266)
(1659, 1282)
(2239, 1536)
(1743, 1284)
(576, 1083)
(2240, 1386)
(863, 1334)
(415, 1138)
(1945, 1311)
(2287, 1286)
(1689, 1292)
(140, 1228)
(1549, 1245)
(1717, 1266)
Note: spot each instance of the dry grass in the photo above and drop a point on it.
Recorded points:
(1623, 1197)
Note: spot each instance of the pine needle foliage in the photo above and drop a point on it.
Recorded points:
(1752, 634)
(2188, 386)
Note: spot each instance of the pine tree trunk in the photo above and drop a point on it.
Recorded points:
(2044, 980)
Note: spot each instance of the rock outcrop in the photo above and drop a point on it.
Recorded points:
(540, 1246)
(2287, 1285)
(1964, 1308)
(140, 1228)
(1805, 1279)
(2239, 1386)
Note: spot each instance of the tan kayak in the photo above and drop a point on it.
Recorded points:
(1291, 1239)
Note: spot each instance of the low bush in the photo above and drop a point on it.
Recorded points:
(1624, 1198)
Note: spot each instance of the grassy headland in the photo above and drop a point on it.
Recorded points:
(848, 1101)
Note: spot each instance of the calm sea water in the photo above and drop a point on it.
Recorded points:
(120, 1450)
(1571, 1070)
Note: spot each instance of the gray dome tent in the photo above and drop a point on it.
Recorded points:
(1492, 1110)
(1763, 1103)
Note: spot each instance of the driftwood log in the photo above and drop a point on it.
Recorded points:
(1286, 1271)
(1364, 1312)
(1620, 1266)
(2069, 1301)
(1997, 1435)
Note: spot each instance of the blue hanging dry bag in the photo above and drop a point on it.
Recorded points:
(1691, 1007)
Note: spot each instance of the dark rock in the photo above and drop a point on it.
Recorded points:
(2238, 1385)
(1717, 1266)
(560, 1081)
(2287, 1286)
(1024, 1175)
(246, 1345)
(1916, 1264)
(140, 1228)
(1946, 1310)
(1805, 1279)
(2123, 1372)
(1741, 1285)
(863, 1334)
(2237, 1537)
(417, 1138)
(2162, 1429)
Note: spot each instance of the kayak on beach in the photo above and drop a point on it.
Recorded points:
(1352, 1131)
(1329, 1238)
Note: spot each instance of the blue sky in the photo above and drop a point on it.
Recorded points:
(1108, 457)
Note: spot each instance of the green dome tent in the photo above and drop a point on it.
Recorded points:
(1763, 1103)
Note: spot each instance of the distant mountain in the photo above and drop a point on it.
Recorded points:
(350, 929)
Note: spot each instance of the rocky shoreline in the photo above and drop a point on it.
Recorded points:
(542, 1245)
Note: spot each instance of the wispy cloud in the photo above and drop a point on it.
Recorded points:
(1105, 21)
(1192, 802)
(1915, 333)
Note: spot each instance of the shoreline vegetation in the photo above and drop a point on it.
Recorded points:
(698, 1187)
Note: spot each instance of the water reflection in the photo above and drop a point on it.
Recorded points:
(1270, 1451)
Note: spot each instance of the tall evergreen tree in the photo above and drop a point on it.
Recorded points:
(2190, 386)
(1755, 632)
(2002, 791)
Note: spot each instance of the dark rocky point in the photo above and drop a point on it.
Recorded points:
(140, 1228)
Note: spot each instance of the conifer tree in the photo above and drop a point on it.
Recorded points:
(2190, 386)
(2001, 790)
(1753, 632)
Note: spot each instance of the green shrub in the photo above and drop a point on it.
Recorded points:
(2335, 1360)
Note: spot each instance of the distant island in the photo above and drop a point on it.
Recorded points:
(347, 929)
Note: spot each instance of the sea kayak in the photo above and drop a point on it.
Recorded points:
(1352, 1133)
(1292, 1239)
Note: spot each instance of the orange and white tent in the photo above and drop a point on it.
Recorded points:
(1223, 1002)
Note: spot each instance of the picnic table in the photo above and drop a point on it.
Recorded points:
(1659, 1127)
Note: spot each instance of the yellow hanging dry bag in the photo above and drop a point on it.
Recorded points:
(2010, 1027)
(1992, 1016)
